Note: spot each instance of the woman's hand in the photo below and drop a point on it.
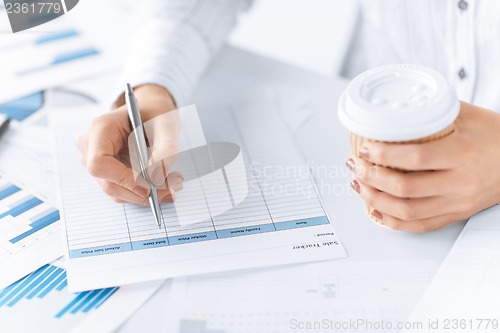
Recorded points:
(455, 177)
(105, 150)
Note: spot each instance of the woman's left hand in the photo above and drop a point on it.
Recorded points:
(455, 177)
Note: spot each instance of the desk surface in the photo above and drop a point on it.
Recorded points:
(324, 143)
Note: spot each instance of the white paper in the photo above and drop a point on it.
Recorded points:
(29, 232)
(465, 293)
(316, 297)
(40, 302)
(26, 157)
(112, 244)
(29, 66)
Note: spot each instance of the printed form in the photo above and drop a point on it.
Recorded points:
(280, 219)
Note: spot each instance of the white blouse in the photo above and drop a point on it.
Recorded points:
(459, 38)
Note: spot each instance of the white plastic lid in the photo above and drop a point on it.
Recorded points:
(398, 102)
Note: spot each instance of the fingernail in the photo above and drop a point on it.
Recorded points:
(143, 192)
(378, 215)
(363, 152)
(350, 165)
(356, 186)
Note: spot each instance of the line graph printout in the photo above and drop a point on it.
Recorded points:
(280, 221)
(43, 297)
(29, 232)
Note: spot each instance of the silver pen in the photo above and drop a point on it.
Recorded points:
(142, 148)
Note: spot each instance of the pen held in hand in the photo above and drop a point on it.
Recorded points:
(142, 150)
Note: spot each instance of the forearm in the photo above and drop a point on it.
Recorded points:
(175, 47)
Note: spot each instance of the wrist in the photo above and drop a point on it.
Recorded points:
(150, 94)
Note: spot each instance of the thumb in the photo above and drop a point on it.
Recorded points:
(162, 132)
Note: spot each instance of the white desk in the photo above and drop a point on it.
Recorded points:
(325, 143)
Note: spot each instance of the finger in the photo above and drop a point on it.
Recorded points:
(408, 209)
(101, 163)
(439, 154)
(166, 196)
(175, 181)
(162, 132)
(110, 169)
(121, 194)
(420, 226)
(403, 184)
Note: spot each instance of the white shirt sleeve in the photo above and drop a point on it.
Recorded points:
(174, 47)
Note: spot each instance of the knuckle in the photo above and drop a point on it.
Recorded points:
(108, 188)
(379, 154)
(394, 225)
(368, 198)
(423, 227)
(418, 157)
(94, 166)
(98, 121)
(470, 189)
(466, 207)
(366, 173)
(124, 180)
(402, 186)
(467, 212)
(407, 211)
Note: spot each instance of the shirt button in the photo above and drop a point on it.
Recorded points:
(462, 4)
(461, 73)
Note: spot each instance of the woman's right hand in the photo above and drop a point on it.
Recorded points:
(105, 151)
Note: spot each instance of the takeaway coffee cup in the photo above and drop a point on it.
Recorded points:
(400, 103)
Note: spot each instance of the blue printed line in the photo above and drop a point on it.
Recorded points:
(33, 285)
(24, 282)
(45, 283)
(9, 191)
(70, 56)
(71, 304)
(23, 207)
(38, 225)
(97, 299)
(63, 285)
(86, 301)
(54, 283)
(105, 298)
(56, 36)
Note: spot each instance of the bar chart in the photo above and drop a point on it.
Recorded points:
(51, 279)
(28, 224)
(41, 302)
(22, 216)
(34, 62)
